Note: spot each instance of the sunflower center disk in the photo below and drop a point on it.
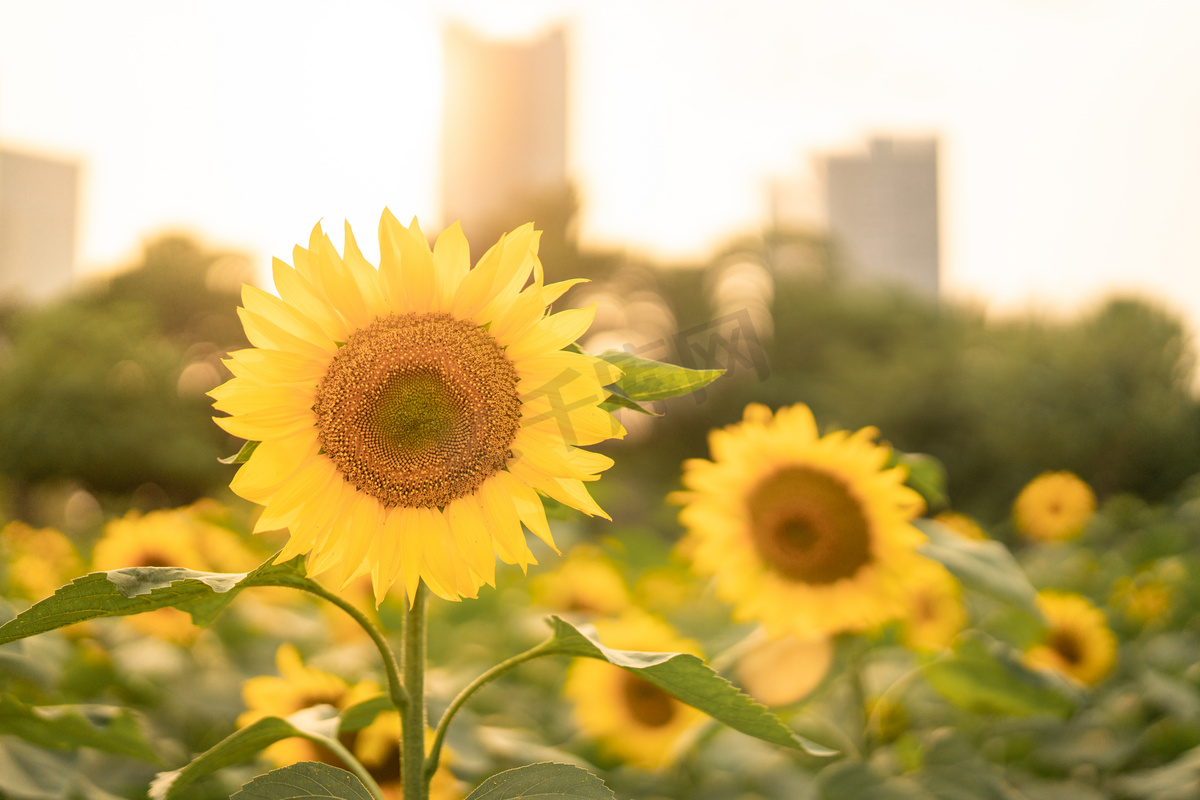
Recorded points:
(1068, 646)
(808, 527)
(648, 704)
(418, 410)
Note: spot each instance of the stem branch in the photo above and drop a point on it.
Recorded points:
(395, 686)
(546, 648)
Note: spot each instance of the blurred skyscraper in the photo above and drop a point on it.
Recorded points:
(882, 211)
(504, 136)
(38, 216)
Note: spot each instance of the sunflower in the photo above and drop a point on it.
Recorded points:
(1054, 506)
(631, 718)
(808, 534)
(170, 538)
(299, 686)
(934, 607)
(586, 582)
(38, 561)
(779, 672)
(1078, 642)
(410, 417)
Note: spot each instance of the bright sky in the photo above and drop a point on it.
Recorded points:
(1070, 128)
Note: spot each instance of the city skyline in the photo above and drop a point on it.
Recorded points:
(1069, 166)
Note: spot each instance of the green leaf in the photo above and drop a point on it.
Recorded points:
(617, 400)
(360, 715)
(241, 456)
(982, 678)
(646, 380)
(544, 781)
(985, 567)
(66, 727)
(1178, 780)
(243, 745)
(689, 679)
(308, 779)
(926, 475)
(136, 589)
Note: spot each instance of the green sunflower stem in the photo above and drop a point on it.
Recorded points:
(395, 685)
(546, 648)
(412, 716)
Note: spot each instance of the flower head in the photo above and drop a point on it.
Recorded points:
(934, 607)
(808, 534)
(1078, 642)
(1054, 506)
(409, 416)
(169, 538)
(39, 560)
(630, 717)
(299, 686)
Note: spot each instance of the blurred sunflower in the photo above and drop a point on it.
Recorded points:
(1078, 642)
(631, 718)
(1144, 598)
(778, 672)
(934, 607)
(586, 582)
(408, 416)
(963, 525)
(170, 538)
(1054, 506)
(808, 534)
(38, 560)
(376, 746)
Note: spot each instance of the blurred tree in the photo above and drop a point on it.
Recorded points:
(107, 388)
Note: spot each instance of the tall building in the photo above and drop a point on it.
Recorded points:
(882, 211)
(38, 215)
(504, 139)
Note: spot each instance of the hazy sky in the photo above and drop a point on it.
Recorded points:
(1070, 128)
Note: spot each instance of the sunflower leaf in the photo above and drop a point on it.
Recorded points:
(308, 779)
(543, 781)
(312, 723)
(133, 590)
(986, 567)
(983, 678)
(617, 400)
(360, 715)
(646, 380)
(688, 679)
(241, 456)
(66, 727)
(926, 476)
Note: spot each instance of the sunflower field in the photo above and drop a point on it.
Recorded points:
(437, 545)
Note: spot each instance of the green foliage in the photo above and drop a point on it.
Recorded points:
(304, 780)
(985, 567)
(645, 380)
(545, 781)
(138, 589)
(319, 723)
(107, 728)
(981, 677)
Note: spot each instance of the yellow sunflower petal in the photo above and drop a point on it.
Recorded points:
(504, 524)
(471, 534)
(452, 257)
(552, 333)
